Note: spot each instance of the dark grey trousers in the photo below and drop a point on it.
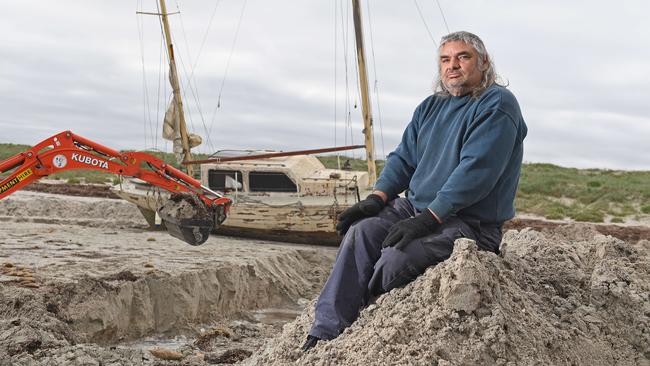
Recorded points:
(363, 270)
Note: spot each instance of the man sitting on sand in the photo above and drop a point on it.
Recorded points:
(458, 161)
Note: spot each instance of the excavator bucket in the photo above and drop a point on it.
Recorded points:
(187, 218)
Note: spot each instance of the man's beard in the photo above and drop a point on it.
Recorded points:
(456, 88)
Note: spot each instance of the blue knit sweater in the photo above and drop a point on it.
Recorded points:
(460, 155)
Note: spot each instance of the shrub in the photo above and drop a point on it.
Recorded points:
(589, 216)
(554, 216)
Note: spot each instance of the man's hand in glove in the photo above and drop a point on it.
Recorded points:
(407, 230)
(366, 208)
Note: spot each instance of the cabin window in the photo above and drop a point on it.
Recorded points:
(225, 180)
(270, 182)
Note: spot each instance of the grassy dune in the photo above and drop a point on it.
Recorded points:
(583, 194)
(592, 195)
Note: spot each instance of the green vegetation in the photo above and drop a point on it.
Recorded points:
(9, 150)
(558, 193)
(645, 209)
(583, 194)
(546, 190)
(332, 162)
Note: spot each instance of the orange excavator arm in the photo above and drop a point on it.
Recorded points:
(67, 151)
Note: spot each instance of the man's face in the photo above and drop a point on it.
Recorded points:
(459, 67)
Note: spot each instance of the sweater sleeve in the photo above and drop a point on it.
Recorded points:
(487, 147)
(401, 163)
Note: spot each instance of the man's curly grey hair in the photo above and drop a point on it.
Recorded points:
(489, 75)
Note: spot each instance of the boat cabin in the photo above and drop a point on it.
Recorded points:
(301, 175)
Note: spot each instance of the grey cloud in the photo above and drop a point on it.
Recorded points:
(576, 68)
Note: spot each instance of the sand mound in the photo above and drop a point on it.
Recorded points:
(24, 206)
(568, 296)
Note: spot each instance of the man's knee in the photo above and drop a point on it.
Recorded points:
(363, 240)
(365, 230)
(392, 260)
(396, 268)
(367, 225)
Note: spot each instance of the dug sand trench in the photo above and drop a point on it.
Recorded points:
(26, 206)
(82, 284)
(566, 296)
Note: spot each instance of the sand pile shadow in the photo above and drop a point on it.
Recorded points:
(568, 296)
(73, 321)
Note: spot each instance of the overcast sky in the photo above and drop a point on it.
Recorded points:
(579, 69)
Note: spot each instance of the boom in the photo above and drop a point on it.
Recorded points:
(68, 151)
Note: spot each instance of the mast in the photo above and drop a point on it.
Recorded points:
(365, 99)
(176, 88)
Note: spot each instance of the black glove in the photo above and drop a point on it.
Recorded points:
(366, 208)
(407, 230)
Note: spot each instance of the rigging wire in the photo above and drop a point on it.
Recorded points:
(425, 23)
(357, 101)
(443, 16)
(144, 83)
(171, 94)
(346, 104)
(338, 156)
(232, 49)
(146, 109)
(201, 48)
(376, 82)
(161, 82)
(345, 32)
(163, 76)
(356, 71)
(188, 84)
(205, 37)
(191, 83)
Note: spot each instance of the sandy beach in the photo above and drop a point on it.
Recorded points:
(84, 282)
